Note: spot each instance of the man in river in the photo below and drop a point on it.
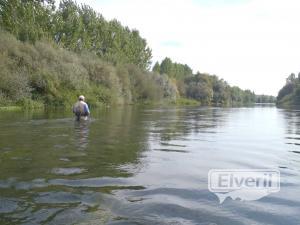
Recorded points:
(81, 109)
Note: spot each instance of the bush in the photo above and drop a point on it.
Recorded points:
(30, 104)
(44, 74)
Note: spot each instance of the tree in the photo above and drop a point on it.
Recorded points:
(166, 66)
(156, 67)
(27, 20)
(75, 27)
(291, 78)
(287, 89)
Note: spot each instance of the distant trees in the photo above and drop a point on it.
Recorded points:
(199, 87)
(265, 99)
(156, 68)
(173, 69)
(291, 78)
(206, 88)
(289, 94)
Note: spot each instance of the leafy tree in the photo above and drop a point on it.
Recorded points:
(175, 70)
(156, 68)
(199, 87)
(286, 90)
(28, 20)
(75, 27)
(166, 66)
(291, 78)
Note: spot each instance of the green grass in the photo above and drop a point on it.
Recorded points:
(186, 101)
(10, 108)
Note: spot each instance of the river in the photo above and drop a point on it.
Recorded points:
(145, 165)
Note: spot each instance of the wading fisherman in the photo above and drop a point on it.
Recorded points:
(81, 109)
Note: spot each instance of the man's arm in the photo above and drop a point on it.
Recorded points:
(86, 109)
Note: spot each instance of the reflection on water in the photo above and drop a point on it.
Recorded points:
(138, 165)
(81, 134)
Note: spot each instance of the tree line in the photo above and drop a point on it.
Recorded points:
(49, 55)
(74, 27)
(289, 94)
(206, 88)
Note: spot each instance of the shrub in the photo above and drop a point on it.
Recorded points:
(33, 75)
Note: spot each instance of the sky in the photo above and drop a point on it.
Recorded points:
(253, 44)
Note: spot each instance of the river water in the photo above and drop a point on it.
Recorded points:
(142, 165)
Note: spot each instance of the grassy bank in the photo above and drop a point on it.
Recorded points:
(10, 108)
(186, 101)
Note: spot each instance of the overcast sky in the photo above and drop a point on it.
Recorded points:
(254, 44)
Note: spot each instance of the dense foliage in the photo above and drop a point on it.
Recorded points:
(48, 56)
(46, 74)
(74, 27)
(289, 94)
(206, 88)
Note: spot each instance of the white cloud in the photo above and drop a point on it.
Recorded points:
(253, 44)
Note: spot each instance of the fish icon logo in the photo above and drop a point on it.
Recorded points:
(243, 184)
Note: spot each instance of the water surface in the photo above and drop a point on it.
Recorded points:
(135, 165)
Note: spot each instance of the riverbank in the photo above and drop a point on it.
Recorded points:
(10, 108)
(178, 102)
(31, 105)
(42, 74)
(49, 64)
